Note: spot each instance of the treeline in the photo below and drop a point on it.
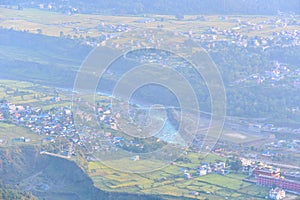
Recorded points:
(248, 7)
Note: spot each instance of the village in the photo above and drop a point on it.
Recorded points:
(266, 162)
(57, 126)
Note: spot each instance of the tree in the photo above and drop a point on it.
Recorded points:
(39, 31)
(235, 164)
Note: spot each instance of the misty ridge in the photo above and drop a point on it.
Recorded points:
(188, 7)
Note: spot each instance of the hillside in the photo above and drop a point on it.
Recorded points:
(54, 61)
(7, 192)
(50, 177)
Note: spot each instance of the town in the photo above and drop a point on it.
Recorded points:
(57, 126)
(256, 156)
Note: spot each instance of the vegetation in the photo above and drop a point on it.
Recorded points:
(53, 60)
(59, 58)
(170, 180)
(263, 100)
(7, 192)
(50, 178)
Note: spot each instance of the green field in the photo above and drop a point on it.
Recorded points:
(8, 132)
(170, 181)
(26, 93)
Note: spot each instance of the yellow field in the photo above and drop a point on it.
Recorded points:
(34, 94)
(52, 23)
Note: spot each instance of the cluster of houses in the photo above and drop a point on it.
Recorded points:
(268, 176)
(106, 117)
(145, 20)
(278, 75)
(283, 145)
(261, 126)
(112, 28)
(278, 129)
(58, 122)
(51, 123)
(106, 137)
(62, 6)
(215, 37)
(216, 168)
(205, 169)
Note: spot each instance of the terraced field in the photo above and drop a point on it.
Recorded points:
(170, 181)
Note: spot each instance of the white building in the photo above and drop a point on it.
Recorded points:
(202, 172)
(277, 193)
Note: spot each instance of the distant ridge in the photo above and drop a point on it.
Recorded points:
(173, 7)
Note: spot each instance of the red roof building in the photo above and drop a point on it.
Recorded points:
(267, 172)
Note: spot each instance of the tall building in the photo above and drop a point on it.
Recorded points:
(283, 183)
